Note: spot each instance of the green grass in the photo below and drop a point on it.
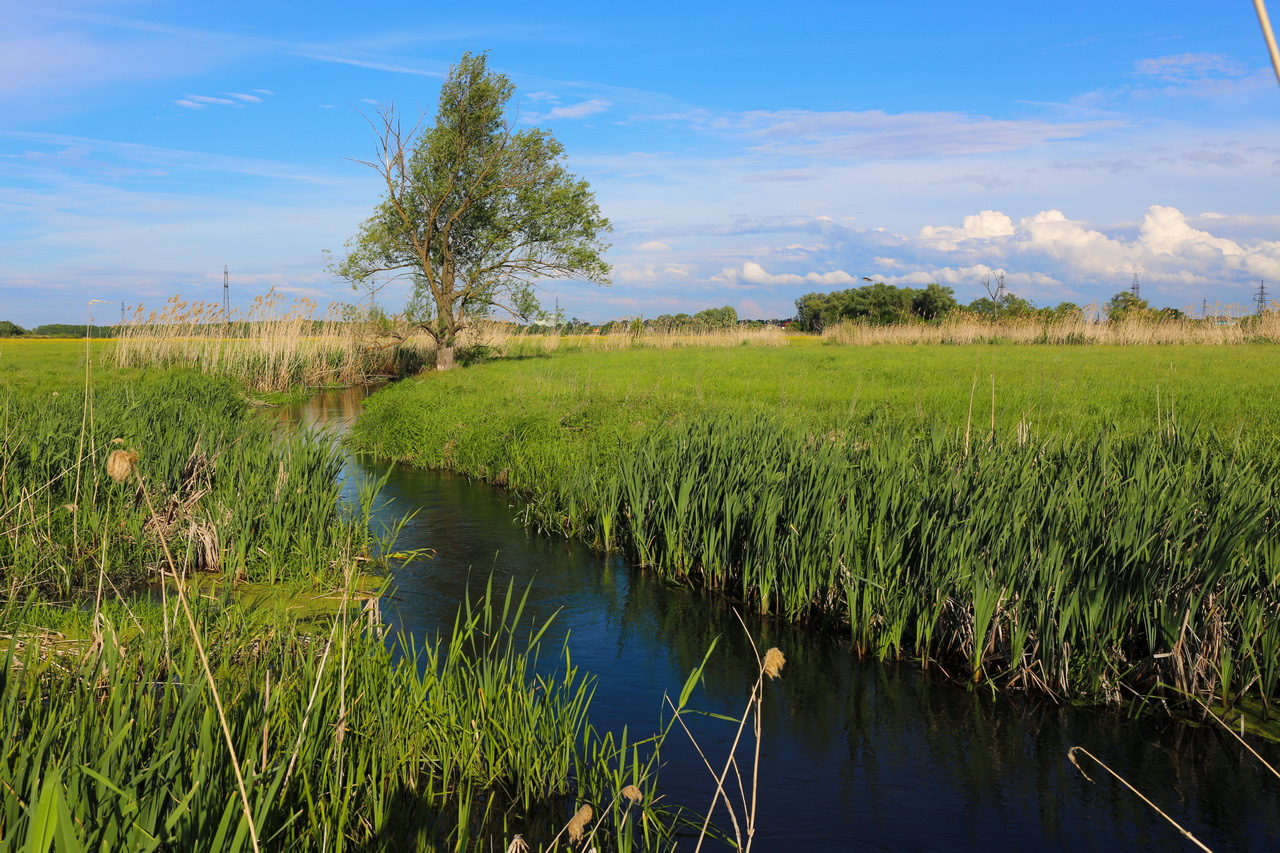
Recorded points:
(1108, 546)
(128, 725)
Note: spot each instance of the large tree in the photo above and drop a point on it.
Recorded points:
(475, 212)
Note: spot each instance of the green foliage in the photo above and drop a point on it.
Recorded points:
(9, 329)
(1124, 305)
(706, 320)
(476, 212)
(878, 304)
(72, 330)
(1008, 305)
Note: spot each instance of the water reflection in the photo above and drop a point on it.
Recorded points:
(856, 755)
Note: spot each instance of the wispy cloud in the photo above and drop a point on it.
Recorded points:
(579, 110)
(156, 157)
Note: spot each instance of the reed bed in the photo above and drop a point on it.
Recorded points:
(1098, 564)
(277, 345)
(145, 709)
(517, 343)
(273, 346)
(343, 741)
(212, 481)
(1232, 327)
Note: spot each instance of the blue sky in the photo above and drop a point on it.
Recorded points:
(747, 153)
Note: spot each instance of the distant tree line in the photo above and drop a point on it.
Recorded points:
(878, 304)
(9, 329)
(882, 304)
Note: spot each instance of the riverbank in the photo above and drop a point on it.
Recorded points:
(1097, 527)
(145, 709)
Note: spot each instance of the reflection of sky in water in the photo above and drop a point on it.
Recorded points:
(855, 756)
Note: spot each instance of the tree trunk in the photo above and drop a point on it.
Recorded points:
(444, 357)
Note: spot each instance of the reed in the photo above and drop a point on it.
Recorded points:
(443, 746)
(278, 345)
(1227, 325)
(274, 345)
(177, 716)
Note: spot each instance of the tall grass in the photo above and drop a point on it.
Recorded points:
(343, 742)
(276, 345)
(173, 715)
(272, 346)
(1228, 326)
(220, 483)
(1097, 563)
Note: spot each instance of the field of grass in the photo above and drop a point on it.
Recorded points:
(144, 710)
(1091, 522)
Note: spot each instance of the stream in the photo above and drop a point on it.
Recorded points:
(856, 755)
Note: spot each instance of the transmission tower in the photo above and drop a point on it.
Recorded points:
(1260, 298)
(1204, 308)
(1134, 288)
(226, 296)
(122, 312)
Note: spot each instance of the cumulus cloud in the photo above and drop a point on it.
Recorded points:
(752, 273)
(980, 226)
(1047, 257)
(653, 246)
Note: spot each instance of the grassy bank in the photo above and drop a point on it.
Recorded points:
(145, 709)
(1100, 525)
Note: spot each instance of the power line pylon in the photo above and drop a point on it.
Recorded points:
(1260, 298)
(226, 296)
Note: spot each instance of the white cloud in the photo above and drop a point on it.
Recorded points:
(653, 246)
(752, 273)
(874, 133)
(581, 110)
(980, 226)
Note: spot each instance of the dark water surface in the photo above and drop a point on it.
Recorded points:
(856, 755)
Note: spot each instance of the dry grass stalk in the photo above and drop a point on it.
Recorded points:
(208, 672)
(1071, 755)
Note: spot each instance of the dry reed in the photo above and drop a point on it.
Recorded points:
(578, 824)
(120, 464)
(1227, 326)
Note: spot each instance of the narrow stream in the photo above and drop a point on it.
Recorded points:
(856, 755)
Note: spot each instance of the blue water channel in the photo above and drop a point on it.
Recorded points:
(856, 755)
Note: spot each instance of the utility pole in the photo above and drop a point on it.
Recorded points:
(1260, 298)
(226, 296)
